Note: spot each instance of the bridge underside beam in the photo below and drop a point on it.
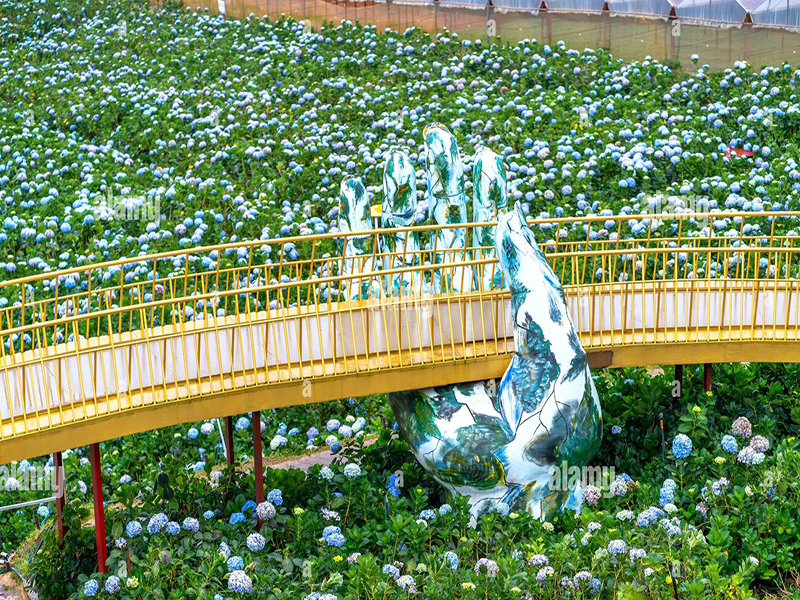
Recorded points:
(309, 391)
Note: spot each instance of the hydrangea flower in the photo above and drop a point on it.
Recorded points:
(332, 536)
(742, 428)
(90, 588)
(392, 571)
(112, 584)
(191, 524)
(681, 446)
(265, 511)
(256, 542)
(616, 547)
(544, 573)
(488, 565)
(352, 470)
(157, 522)
(239, 582)
(445, 509)
(235, 563)
(326, 473)
(759, 443)
(406, 582)
(329, 515)
(452, 558)
(237, 518)
(392, 487)
(729, 444)
(636, 554)
(591, 495)
(208, 515)
(133, 529)
(276, 497)
(225, 550)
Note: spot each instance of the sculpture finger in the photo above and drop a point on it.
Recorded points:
(447, 204)
(401, 249)
(358, 251)
(489, 201)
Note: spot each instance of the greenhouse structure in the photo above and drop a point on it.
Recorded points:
(718, 13)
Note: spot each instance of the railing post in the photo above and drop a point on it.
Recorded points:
(707, 376)
(99, 510)
(258, 459)
(229, 440)
(60, 493)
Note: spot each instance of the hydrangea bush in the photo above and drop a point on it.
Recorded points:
(126, 131)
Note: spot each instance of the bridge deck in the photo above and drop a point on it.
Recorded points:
(213, 367)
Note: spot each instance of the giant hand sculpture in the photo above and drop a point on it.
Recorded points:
(494, 444)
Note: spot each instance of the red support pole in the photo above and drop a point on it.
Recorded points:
(679, 379)
(229, 440)
(99, 510)
(258, 459)
(707, 377)
(61, 494)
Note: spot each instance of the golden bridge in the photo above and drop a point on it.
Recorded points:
(101, 351)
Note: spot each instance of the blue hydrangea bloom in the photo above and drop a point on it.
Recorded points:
(208, 515)
(729, 444)
(256, 542)
(391, 486)
(276, 497)
(133, 529)
(90, 588)
(236, 518)
(392, 571)
(112, 584)
(681, 446)
(235, 563)
(157, 522)
(452, 558)
(616, 547)
(239, 582)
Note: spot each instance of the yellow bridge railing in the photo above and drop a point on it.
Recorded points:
(100, 351)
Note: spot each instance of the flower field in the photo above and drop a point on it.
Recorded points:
(126, 131)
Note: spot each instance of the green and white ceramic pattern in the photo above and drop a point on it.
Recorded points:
(498, 444)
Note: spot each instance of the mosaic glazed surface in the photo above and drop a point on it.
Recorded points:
(497, 444)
